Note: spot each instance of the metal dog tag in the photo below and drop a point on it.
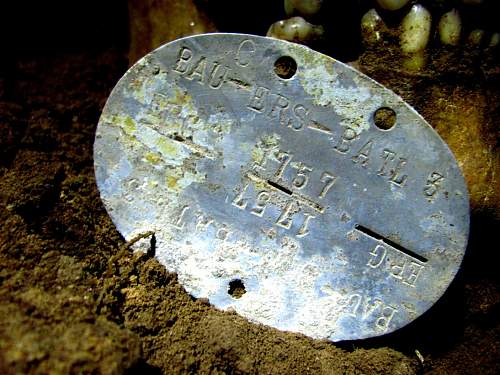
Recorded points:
(276, 186)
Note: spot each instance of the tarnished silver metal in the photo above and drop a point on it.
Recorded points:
(273, 192)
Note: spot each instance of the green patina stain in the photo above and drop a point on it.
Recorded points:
(152, 158)
(309, 58)
(171, 182)
(129, 125)
(258, 155)
(167, 147)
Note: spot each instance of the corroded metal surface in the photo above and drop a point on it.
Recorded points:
(283, 187)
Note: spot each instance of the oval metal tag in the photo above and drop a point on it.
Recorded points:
(276, 186)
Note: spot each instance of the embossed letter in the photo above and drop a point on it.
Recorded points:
(304, 231)
(217, 76)
(378, 256)
(302, 178)
(280, 104)
(245, 50)
(363, 154)
(185, 55)
(197, 72)
(329, 180)
(238, 201)
(384, 320)
(258, 99)
(388, 156)
(396, 179)
(179, 223)
(370, 307)
(301, 114)
(285, 219)
(397, 266)
(413, 270)
(260, 204)
(284, 158)
(433, 184)
(203, 222)
(344, 143)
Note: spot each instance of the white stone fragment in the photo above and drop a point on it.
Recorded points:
(495, 39)
(415, 29)
(295, 29)
(303, 7)
(450, 26)
(372, 27)
(415, 61)
(475, 37)
(392, 4)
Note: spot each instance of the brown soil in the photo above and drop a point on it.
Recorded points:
(74, 299)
